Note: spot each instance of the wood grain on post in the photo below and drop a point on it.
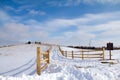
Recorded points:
(38, 61)
(103, 53)
(72, 55)
(110, 55)
(62, 53)
(82, 55)
(48, 56)
(66, 53)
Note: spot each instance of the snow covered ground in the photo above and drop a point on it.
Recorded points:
(19, 63)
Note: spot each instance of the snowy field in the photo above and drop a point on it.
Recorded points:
(19, 63)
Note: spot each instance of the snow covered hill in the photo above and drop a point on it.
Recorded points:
(19, 63)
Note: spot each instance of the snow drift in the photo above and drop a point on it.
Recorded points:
(19, 63)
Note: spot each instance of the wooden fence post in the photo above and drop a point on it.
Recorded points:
(110, 55)
(62, 53)
(48, 56)
(72, 55)
(38, 60)
(82, 54)
(103, 53)
(66, 53)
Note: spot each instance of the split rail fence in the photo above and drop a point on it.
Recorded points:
(84, 53)
(43, 59)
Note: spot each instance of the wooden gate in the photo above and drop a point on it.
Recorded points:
(43, 59)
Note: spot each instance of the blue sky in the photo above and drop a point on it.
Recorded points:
(68, 22)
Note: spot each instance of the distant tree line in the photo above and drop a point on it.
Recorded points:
(86, 47)
(29, 42)
(94, 48)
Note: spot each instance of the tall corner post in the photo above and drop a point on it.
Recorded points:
(103, 53)
(38, 61)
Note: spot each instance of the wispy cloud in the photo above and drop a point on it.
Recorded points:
(4, 17)
(13, 31)
(102, 27)
(64, 3)
(79, 2)
(36, 12)
(99, 27)
(114, 2)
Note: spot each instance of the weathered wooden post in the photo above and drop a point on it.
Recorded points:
(82, 54)
(103, 53)
(65, 53)
(48, 56)
(38, 60)
(72, 55)
(62, 53)
(110, 55)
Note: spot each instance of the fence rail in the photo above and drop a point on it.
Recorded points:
(43, 59)
(82, 53)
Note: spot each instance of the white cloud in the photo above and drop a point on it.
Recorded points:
(101, 28)
(64, 3)
(81, 22)
(4, 17)
(9, 8)
(79, 2)
(30, 4)
(35, 12)
(20, 2)
(102, 1)
(111, 29)
(104, 27)
(19, 32)
(72, 3)
(13, 31)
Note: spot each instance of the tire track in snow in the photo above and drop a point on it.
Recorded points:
(16, 68)
(30, 71)
(24, 69)
(33, 72)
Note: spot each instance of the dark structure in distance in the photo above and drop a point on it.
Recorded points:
(108, 47)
